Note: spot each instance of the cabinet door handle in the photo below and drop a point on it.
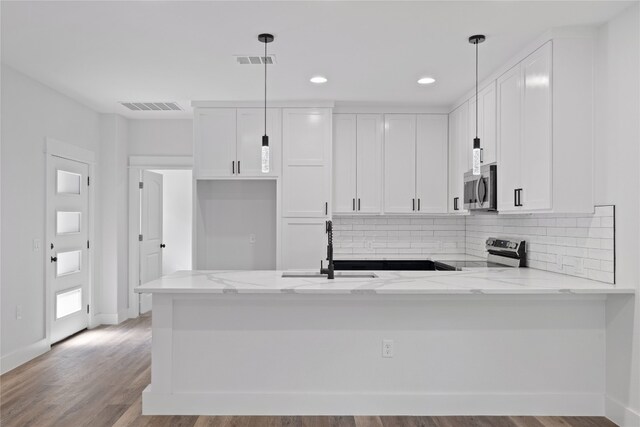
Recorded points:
(238, 167)
(455, 203)
(519, 196)
(413, 204)
(515, 197)
(233, 167)
(358, 204)
(418, 204)
(353, 204)
(326, 208)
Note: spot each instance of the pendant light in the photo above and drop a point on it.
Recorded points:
(476, 40)
(265, 38)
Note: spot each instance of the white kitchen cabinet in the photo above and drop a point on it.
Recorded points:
(357, 163)
(415, 158)
(431, 163)
(399, 163)
(304, 243)
(228, 142)
(306, 136)
(459, 154)
(545, 137)
(487, 118)
(215, 142)
(250, 128)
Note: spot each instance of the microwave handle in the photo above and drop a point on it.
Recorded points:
(478, 201)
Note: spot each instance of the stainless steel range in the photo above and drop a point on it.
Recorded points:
(501, 253)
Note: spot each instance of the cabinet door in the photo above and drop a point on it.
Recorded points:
(306, 139)
(459, 149)
(250, 128)
(536, 130)
(487, 123)
(304, 243)
(215, 142)
(369, 163)
(344, 163)
(399, 163)
(431, 163)
(509, 138)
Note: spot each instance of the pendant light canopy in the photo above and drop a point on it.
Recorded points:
(266, 39)
(477, 151)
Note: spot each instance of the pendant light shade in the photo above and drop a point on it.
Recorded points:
(477, 151)
(266, 39)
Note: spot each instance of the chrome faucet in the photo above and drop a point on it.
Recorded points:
(329, 271)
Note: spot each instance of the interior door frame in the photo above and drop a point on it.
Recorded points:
(136, 165)
(55, 148)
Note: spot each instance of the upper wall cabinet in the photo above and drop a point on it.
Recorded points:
(459, 156)
(306, 162)
(228, 142)
(415, 163)
(357, 163)
(545, 137)
(487, 118)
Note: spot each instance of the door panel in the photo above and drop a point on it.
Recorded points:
(431, 163)
(399, 166)
(487, 123)
(344, 163)
(216, 147)
(369, 163)
(509, 137)
(151, 226)
(304, 243)
(250, 128)
(458, 156)
(536, 130)
(68, 260)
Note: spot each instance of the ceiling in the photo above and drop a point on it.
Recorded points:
(102, 52)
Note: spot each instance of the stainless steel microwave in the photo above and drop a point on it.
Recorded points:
(480, 190)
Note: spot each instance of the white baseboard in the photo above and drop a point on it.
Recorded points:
(620, 414)
(23, 355)
(112, 318)
(361, 404)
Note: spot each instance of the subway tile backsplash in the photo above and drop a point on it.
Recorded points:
(578, 245)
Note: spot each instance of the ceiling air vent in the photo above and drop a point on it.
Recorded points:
(255, 59)
(152, 106)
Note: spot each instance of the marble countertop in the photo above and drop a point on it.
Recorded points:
(490, 281)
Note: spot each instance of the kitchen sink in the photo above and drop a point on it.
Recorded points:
(338, 274)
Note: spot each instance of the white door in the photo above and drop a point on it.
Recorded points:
(151, 232)
(399, 163)
(215, 147)
(250, 128)
(306, 139)
(344, 163)
(304, 243)
(369, 163)
(431, 163)
(487, 123)
(68, 260)
(509, 138)
(536, 130)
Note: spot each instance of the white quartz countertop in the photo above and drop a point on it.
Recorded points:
(493, 281)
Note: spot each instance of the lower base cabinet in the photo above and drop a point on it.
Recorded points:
(304, 243)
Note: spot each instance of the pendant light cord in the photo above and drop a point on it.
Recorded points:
(265, 87)
(476, 88)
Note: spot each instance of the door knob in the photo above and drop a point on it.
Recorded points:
(54, 259)
(162, 245)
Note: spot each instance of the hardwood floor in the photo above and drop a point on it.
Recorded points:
(96, 378)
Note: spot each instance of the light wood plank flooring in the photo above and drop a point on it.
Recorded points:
(95, 378)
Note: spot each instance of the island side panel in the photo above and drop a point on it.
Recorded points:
(322, 354)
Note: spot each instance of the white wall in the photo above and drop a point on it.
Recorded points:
(31, 112)
(617, 136)
(176, 220)
(161, 137)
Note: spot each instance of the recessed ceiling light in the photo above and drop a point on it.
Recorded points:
(318, 79)
(426, 80)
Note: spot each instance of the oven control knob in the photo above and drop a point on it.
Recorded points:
(490, 242)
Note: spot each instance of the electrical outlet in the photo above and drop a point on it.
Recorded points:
(252, 238)
(18, 312)
(387, 348)
(36, 245)
(369, 244)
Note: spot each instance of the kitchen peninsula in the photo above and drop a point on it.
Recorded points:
(485, 341)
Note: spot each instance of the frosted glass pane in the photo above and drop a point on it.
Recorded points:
(68, 262)
(68, 222)
(68, 182)
(68, 303)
